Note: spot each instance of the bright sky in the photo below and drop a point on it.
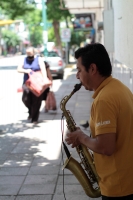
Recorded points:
(39, 3)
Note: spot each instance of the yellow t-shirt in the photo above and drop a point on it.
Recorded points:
(112, 112)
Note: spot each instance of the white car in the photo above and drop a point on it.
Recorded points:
(56, 64)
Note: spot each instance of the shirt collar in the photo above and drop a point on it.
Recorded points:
(105, 82)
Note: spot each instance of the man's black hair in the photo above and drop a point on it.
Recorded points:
(97, 54)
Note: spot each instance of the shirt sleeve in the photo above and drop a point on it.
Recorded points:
(105, 117)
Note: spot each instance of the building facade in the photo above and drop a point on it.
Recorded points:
(118, 31)
(113, 24)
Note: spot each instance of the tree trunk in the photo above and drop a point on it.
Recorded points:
(66, 23)
(57, 35)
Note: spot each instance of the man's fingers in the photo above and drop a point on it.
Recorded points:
(67, 141)
(78, 128)
(73, 146)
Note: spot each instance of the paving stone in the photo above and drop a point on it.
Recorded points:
(67, 180)
(34, 197)
(45, 161)
(12, 163)
(8, 140)
(46, 117)
(7, 149)
(7, 197)
(20, 157)
(11, 180)
(10, 171)
(4, 156)
(64, 172)
(70, 189)
(37, 189)
(25, 150)
(58, 116)
(48, 169)
(73, 197)
(1, 163)
(40, 179)
(9, 189)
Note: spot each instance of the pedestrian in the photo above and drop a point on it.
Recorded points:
(111, 123)
(32, 62)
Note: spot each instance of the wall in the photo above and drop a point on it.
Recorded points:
(123, 42)
(99, 18)
(122, 27)
(109, 30)
(123, 31)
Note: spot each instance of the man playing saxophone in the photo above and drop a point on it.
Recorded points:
(111, 123)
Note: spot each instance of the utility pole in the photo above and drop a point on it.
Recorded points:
(44, 17)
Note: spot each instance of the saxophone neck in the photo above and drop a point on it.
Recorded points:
(64, 101)
(66, 98)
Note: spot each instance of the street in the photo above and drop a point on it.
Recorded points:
(12, 109)
(10, 81)
(14, 113)
(30, 155)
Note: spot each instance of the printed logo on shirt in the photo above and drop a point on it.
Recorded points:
(102, 123)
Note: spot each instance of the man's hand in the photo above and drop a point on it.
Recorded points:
(74, 137)
(102, 144)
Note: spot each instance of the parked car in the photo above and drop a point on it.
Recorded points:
(56, 64)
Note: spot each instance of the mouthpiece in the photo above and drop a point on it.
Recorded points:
(77, 87)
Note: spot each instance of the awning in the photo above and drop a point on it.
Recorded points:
(82, 6)
(6, 22)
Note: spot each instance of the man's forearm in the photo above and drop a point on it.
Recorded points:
(103, 144)
(92, 144)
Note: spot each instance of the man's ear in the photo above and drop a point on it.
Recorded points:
(93, 68)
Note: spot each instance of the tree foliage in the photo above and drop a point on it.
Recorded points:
(32, 17)
(10, 38)
(55, 13)
(77, 37)
(15, 8)
(51, 35)
(36, 37)
(33, 20)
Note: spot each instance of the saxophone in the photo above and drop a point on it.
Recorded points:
(86, 175)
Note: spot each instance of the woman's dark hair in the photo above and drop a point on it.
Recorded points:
(97, 54)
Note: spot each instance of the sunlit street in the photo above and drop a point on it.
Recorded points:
(10, 82)
(30, 155)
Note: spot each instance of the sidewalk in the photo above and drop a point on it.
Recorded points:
(30, 155)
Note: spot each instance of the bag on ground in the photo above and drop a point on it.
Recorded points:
(50, 103)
